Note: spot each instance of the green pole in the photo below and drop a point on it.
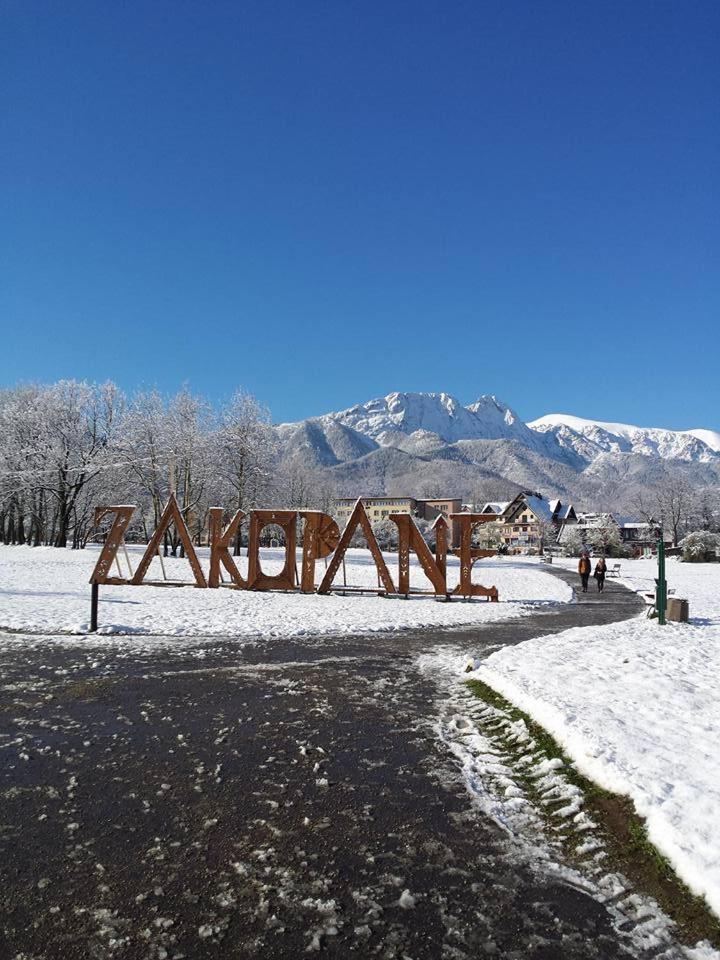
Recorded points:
(661, 590)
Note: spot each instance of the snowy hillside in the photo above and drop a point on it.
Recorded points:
(324, 441)
(405, 441)
(438, 413)
(430, 417)
(690, 445)
(420, 423)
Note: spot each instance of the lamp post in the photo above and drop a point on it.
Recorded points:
(94, 589)
(661, 582)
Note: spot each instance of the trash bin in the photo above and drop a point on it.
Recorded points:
(678, 610)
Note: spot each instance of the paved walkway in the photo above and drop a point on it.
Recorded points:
(289, 798)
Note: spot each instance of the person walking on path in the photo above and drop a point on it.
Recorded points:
(584, 571)
(600, 571)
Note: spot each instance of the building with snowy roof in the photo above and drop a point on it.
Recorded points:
(494, 507)
(635, 534)
(530, 523)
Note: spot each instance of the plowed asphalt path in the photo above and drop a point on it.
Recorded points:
(269, 801)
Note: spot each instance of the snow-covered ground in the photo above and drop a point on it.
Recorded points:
(45, 590)
(637, 706)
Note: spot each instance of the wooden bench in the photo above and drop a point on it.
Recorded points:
(650, 597)
(614, 570)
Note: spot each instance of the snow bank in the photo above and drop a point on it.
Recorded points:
(46, 590)
(637, 706)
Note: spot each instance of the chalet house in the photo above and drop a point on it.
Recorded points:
(494, 508)
(563, 513)
(530, 522)
(635, 534)
(638, 535)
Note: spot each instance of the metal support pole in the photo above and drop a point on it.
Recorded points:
(661, 587)
(94, 589)
(127, 560)
(162, 563)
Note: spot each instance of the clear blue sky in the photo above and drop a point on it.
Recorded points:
(324, 202)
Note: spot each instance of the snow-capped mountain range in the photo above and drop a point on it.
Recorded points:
(701, 445)
(389, 421)
(382, 444)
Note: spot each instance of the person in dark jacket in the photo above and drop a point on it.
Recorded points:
(600, 571)
(584, 568)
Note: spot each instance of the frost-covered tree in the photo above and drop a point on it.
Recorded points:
(669, 503)
(246, 449)
(700, 545)
(57, 442)
(386, 534)
(427, 529)
(245, 457)
(488, 536)
(302, 486)
(572, 542)
(191, 467)
(675, 500)
(23, 469)
(605, 538)
(146, 449)
(68, 447)
(547, 533)
(169, 449)
(705, 512)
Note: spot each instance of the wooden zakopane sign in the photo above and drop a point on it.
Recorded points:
(259, 580)
(468, 555)
(321, 538)
(358, 518)
(220, 541)
(113, 541)
(411, 538)
(171, 514)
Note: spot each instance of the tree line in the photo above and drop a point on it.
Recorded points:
(69, 446)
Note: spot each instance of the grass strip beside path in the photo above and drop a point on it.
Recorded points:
(623, 831)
